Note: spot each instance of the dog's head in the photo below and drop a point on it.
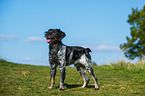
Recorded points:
(54, 35)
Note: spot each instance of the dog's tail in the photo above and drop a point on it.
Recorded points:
(88, 50)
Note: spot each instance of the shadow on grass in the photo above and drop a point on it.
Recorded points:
(69, 86)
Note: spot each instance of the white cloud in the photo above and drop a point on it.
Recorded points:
(104, 48)
(107, 48)
(26, 59)
(7, 37)
(34, 39)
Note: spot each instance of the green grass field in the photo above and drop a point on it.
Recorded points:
(120, 79)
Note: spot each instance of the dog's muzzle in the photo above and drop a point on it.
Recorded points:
(50, 40)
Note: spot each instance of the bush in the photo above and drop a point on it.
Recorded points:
(94, 64)
(122, 65)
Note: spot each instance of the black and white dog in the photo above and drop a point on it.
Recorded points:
(62, 56)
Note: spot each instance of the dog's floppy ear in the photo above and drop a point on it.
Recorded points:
(61, 35)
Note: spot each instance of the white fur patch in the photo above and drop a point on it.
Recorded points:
(84, 60)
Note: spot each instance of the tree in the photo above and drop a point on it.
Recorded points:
(135, 46)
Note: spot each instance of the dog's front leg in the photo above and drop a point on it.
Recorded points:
(62, 78)
(52, 72)
(62, 63)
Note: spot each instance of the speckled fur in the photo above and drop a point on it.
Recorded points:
(62, 56)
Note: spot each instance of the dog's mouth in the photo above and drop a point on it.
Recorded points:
(50, 40)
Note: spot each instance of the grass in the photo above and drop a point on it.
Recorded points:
(116, 79)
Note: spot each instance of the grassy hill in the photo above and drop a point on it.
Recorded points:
(114, 80)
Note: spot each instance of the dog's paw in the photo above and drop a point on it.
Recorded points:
(50, 87)
(61, 89)
(97, 88)
(82, 87)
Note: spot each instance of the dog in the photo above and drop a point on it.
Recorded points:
(62, 56)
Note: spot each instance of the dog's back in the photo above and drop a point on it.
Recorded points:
(75, 52)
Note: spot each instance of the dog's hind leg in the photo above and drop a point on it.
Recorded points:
(53, 73)
(82, 70)
(90, 70)
(86, 61)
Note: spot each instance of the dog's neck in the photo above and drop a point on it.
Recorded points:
(54, 44)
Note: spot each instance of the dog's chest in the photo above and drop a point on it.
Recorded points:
(57, 54)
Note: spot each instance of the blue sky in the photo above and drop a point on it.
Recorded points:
(98, 24)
